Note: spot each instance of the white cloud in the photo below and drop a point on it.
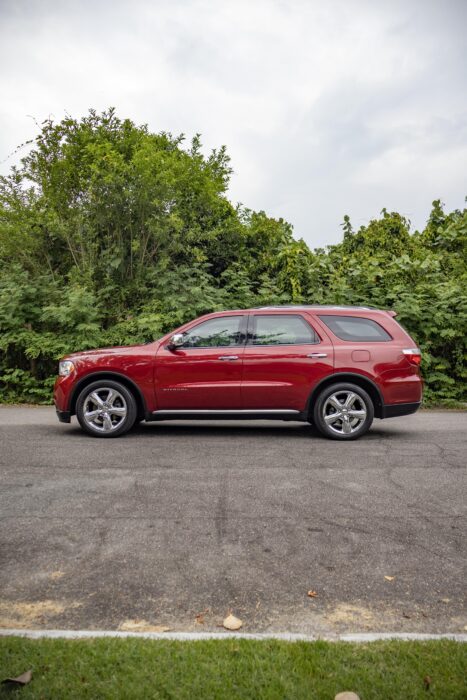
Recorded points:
(326, 108)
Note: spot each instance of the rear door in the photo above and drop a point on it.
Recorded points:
(285, 357)
(206, 372)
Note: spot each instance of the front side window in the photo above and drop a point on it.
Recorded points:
(356, 329)
(216, 333)
(278, 329)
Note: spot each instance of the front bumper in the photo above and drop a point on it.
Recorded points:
(63, 416)
(399, 409)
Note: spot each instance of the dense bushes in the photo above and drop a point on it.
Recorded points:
(110, 234)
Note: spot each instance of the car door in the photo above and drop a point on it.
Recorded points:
(205, 373)
(285, 357)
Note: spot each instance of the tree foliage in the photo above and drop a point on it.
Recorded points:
(110, 234)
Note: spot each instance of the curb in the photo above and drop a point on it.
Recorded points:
(358, 637)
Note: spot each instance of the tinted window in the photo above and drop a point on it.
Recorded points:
(277, 329)
(217, 332)
(355, 328)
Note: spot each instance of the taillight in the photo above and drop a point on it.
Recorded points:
(413, 355)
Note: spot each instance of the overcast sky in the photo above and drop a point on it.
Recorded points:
(326, 107)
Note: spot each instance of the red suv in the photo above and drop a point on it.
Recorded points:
(334, 366)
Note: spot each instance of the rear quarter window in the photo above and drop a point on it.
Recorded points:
(356, 329)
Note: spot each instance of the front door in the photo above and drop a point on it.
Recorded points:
(205, 373)
(284, 359)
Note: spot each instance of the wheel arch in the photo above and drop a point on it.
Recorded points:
(117, 377)
(360, 380)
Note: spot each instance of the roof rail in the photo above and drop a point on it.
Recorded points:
(316, 306)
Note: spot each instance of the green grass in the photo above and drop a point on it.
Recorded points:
(138, 668)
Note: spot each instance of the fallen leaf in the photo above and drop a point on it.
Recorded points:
(389, 578)
(312, 594)
(199, 618)
(23, 679)
(427, 682)
(232, 623)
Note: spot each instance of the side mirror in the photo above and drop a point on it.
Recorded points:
(176, 341)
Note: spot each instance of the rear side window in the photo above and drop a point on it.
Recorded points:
(279, 329)
(356, 328)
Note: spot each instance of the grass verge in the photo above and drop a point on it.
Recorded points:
(139, 668)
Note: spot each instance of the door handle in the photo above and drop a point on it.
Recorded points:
(228, 357)
(316, 355)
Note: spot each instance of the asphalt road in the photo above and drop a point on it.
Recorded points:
(178, 520)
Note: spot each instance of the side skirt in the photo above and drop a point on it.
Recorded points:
(237, 414)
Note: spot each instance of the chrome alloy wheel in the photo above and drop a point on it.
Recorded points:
(344, 412)
(104, 409)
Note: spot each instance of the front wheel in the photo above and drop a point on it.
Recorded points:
(106, 409)
(343, 412)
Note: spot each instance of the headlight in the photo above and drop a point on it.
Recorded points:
(65, 368)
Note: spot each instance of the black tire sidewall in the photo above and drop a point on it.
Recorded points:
(324, 395)
(126, 424)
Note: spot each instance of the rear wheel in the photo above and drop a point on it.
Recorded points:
(106, 409)
(343, 412)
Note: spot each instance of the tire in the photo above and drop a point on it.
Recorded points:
(106, 409)
(354, 419)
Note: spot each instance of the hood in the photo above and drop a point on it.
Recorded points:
(99, 352)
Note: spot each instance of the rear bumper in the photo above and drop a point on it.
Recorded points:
(63, 416)
(399, 409)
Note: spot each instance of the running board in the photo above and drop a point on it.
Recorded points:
(232, 414)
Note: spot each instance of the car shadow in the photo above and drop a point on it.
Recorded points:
(225, 429)
(272, 429)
